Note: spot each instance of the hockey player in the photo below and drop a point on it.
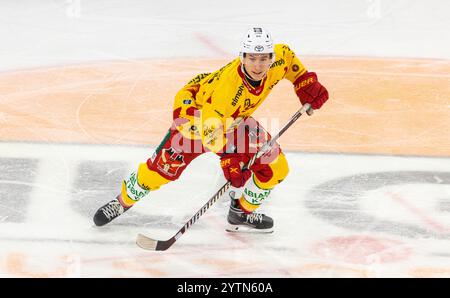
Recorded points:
(212, 113)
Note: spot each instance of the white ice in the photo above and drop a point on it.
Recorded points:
(335, 215)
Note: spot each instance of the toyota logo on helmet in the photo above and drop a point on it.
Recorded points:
(259, 48)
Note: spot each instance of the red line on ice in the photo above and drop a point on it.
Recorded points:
(419, 213)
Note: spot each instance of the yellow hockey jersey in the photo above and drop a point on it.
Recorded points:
(212, 104)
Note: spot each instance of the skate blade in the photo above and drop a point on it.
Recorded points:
(246, 229)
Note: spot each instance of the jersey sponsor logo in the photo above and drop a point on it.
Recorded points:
(187, 101)
(217, 74)
(278, 63)
(198, 78)
(285, 47)
(170, 162)
(235, 99)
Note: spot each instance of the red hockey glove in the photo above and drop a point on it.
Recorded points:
(232, 165)
(309, 90)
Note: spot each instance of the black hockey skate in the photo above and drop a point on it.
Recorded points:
(239, 221)
(108, 212)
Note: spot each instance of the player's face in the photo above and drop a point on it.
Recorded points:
(257, 65)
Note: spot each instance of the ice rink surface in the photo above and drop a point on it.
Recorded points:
(337, 214)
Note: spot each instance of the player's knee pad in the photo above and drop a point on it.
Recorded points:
(140, 183)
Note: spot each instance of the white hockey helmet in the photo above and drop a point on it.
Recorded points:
(257, 40)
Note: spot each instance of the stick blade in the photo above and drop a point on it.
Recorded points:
(146, 243)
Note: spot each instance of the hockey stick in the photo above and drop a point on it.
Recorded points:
(152, 244)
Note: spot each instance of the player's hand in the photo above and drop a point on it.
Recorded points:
(232, 165)
(309, 90)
